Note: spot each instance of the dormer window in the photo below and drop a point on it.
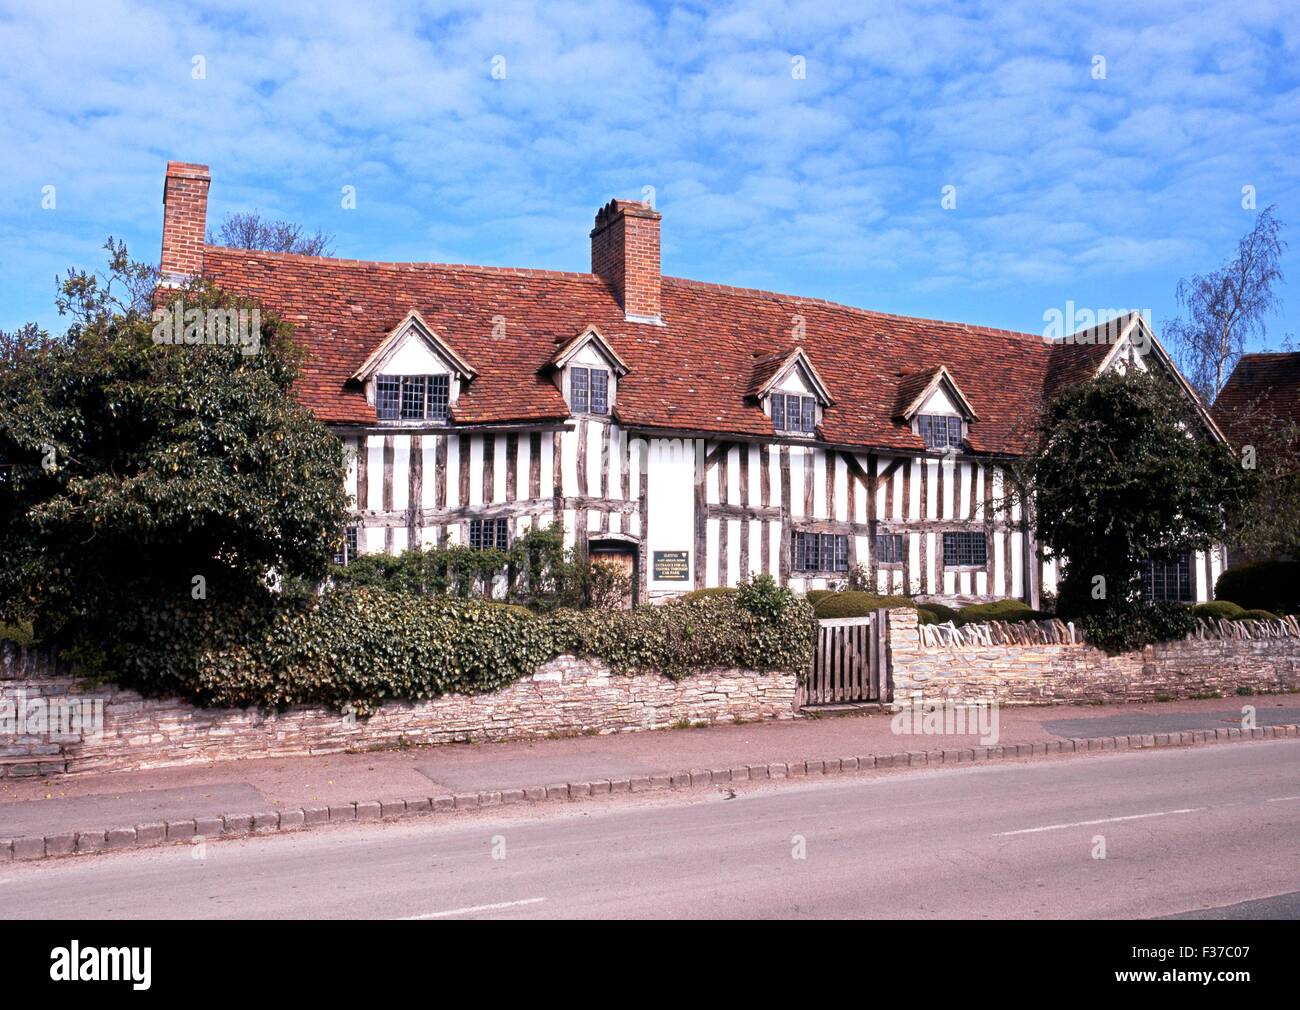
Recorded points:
(412, 397)
(588, 390)
(413, 377)
(793, 413)
(939, 431)
(587, 370)
(787, 387)
(930, 403)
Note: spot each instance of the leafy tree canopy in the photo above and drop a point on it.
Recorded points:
(1124, 470)
(135, 473)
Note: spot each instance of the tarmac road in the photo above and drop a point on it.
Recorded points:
(1211, 832)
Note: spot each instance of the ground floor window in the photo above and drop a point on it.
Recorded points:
(489, 533)
(964, 550)
(1168, 579)
(347, 546)
(819, 552)
(890, 549)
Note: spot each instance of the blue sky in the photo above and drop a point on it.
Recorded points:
(1101, 191)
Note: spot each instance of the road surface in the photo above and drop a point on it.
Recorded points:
(1207, 832)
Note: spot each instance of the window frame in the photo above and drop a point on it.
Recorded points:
(898, 542)
(969, 537)
(925, 424)
(350, 547)
(500, 529)
(393, 393)
(593, 377)
(805, 403)
(1184, 567)
(826, 546)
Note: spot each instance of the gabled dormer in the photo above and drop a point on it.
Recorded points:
(587, 370)
(933, 406)
(788, 388)
(413, 377)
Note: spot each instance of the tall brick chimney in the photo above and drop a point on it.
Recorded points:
(625, 251)
(185, 218)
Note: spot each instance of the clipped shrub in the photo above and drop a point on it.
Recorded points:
(1262, 585)
(852, 603)
(1219, 609)
(815, 595)
(927, 616)
(998, 610)
(942, 613)
(1256, 615)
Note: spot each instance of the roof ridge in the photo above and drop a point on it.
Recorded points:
(402, 264)
(872, 313)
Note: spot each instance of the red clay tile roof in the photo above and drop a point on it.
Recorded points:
(690, 374)
(766, 368)
(1262, 385)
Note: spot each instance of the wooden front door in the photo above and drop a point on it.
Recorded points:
(623, 557)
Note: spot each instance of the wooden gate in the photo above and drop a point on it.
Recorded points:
(850, 662)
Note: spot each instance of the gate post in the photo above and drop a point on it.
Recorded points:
(882, 665)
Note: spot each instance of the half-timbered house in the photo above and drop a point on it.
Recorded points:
(694, 432)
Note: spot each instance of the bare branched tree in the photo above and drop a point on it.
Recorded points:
(252, 231)
(1226, 307)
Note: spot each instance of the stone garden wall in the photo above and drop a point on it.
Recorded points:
(1071, 671)
(115, 729)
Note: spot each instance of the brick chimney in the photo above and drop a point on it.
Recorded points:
(185, 218)
(625, 252)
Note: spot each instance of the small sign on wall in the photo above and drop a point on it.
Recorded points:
(672, 566)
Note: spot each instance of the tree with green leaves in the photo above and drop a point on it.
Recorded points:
(1227, 307)
(1124, 471)
(143, 474)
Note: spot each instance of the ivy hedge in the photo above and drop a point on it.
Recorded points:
(354, 647)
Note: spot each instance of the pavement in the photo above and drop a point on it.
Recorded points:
(1209, 832)
(279, 791)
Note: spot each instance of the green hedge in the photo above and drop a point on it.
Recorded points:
(942, 614)
(854, 603)
(999, 610)
(704, 594)
(1256, 615)
(1219, 609)
(355, 647)
(1262, 585)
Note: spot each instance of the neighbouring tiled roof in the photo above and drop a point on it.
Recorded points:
(693, 373)
(1262, 386)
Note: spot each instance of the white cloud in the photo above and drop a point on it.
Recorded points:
(825, 186)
